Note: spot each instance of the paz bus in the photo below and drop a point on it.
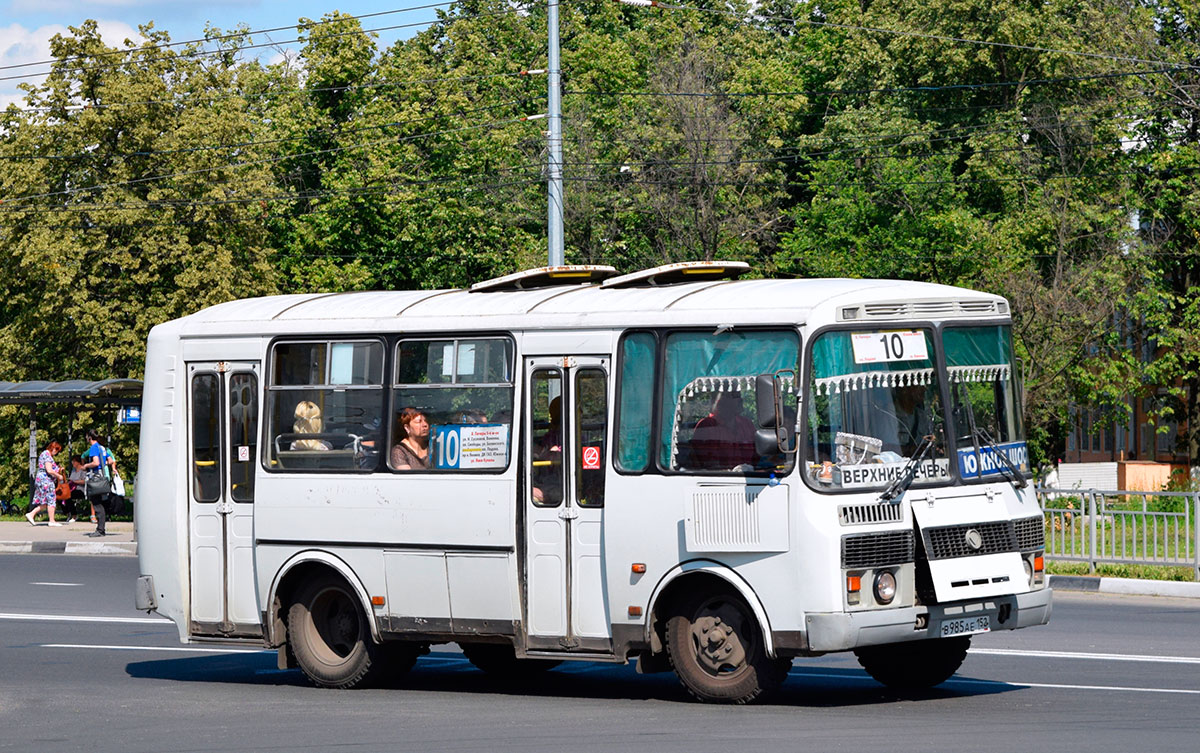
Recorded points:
(709, 475)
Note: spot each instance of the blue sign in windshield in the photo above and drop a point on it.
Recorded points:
(987, 462)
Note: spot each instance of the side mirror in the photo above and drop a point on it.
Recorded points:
(766, 401)
(776, 434)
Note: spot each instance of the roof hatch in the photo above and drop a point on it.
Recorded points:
(545, 277)
(684, 271)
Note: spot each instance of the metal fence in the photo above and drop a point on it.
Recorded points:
(1122, 527)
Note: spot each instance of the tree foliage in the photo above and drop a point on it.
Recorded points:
(1053, 159)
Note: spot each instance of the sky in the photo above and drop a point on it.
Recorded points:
(26, 26)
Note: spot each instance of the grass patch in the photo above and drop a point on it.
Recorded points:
(1143, 572)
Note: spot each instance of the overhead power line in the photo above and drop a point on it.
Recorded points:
(231, 35)
(262, 161)
(205, 53)
(882, 90)
(743, 17)
(262, 142)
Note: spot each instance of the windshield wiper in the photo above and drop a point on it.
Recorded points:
(907, 476)
(1014, 473)
(979, 436)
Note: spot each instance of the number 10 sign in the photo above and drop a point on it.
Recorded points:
(881, 347)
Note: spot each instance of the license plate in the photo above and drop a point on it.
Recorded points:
(966, 626)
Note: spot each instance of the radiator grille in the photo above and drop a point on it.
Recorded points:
(853, 515)
(864, 550)
(1031, 534)
(951, 541)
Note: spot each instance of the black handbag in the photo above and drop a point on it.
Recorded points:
(97, 485)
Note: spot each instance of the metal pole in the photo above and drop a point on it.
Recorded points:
(33, 452)
(1092, 532)
(554, 214)
(1196, 534)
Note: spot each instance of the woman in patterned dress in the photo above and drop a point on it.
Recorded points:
(48, 476)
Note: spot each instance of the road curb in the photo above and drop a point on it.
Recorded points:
(111, 548)
(1126, 586)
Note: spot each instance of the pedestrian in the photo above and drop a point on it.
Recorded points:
(47, 477)
(77, 479)
(100, 467)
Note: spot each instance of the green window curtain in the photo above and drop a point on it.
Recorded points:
(690, 355)
(978, 346)
(833, 355)
(637, 401)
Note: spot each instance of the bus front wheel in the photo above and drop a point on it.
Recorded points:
(917, 665)
(330, 638)
(716, 649)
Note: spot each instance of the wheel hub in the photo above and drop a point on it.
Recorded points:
(717, 638)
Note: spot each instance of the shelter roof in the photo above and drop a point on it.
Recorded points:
(105, 391)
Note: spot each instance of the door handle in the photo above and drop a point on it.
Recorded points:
(568, 513)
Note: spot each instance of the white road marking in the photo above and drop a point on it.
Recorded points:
(190, 649)
(83, 618)
(1085, 655)
(48, 583)
(998, 683)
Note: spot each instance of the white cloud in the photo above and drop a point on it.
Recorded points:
(19, 46)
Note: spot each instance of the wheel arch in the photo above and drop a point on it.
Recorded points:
(298, 569)
(694, 574)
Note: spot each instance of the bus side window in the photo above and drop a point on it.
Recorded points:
(325, 406)
(636, 404)
(591, 420)
(546, 455)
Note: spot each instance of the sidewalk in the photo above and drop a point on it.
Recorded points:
(22, 538)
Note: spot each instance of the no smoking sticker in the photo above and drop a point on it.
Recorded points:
(243, 454)
(591, 458)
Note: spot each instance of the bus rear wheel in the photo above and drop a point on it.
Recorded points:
(916, 665)
(330, 637)
(716, 649)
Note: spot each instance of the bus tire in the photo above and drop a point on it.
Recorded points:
(915, 665)
(500, 659)
(330, 637)
(716, 649)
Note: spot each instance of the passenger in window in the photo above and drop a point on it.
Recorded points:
(412, 451)
(470, 416)
(551, 441)
(724, 439)
(547, 456)
(308, 421)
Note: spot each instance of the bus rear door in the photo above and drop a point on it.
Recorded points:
(223, 447)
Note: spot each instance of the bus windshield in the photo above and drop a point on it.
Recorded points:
(874, 397)
(984, 394)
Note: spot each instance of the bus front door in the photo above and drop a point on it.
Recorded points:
(566, 451)
(223, 447)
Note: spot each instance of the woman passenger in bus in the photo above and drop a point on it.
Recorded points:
(308, 421)
(411, 452)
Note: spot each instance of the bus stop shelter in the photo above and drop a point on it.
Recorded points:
(74, 394)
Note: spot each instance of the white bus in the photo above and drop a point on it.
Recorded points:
(707, 474)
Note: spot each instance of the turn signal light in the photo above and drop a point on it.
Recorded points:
(639, 567)
(377, 601)
(853, 587)
(1038, 564)
(635, 611)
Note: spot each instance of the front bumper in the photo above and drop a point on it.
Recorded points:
(841, 631)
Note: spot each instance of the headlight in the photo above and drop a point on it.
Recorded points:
(885, 587)
(1028, 571)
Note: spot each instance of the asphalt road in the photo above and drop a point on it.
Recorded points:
(80, 669)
